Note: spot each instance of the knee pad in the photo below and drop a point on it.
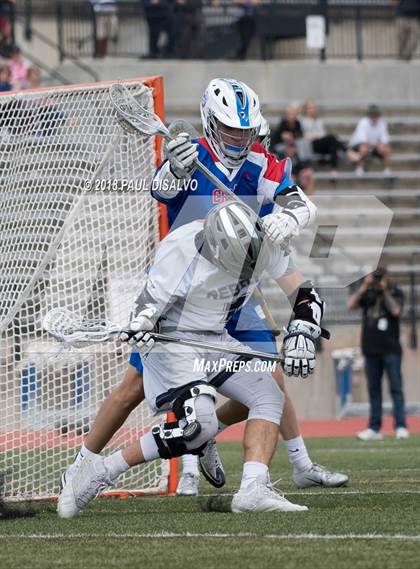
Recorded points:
(169, 440)
(186, 407)
(196, 423)
(205, 411)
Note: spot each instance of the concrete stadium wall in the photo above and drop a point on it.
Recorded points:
(343, 83)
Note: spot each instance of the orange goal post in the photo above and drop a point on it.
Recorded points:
(78, 229)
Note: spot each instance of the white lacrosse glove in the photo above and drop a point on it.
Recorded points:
(182, 154)
(299, 348)
(280, 228)
(138, 332)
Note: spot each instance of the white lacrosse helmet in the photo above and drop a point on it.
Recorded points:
(264, 134)
(225, 105)
(234, 239)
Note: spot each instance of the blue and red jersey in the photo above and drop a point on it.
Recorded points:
(259, 180)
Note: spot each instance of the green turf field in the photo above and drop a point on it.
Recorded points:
(375, 522)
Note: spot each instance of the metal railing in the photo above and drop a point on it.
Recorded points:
(46, 41)
(21, 16)
(355, 29)
(8, 12)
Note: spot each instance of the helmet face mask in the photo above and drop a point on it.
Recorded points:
(234, 143)
(230, 113)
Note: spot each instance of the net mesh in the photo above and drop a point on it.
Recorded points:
(77, 230)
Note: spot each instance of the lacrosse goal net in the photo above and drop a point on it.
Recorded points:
(78, 230)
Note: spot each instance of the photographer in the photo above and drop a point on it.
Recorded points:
(381, 303)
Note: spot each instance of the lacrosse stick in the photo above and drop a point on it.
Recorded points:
(181, 125)
(267, 312)
(134, 118)
(68, 328)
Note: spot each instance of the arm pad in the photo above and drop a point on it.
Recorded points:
(308, 306)
(295, 203)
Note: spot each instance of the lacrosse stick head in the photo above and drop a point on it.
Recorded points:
(132, 116)
(60, 323)
(73, 331)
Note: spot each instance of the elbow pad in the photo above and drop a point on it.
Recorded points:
(295, 203)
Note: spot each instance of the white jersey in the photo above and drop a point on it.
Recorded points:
(188, 292)
(370, 132)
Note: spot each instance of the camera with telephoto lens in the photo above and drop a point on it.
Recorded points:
(378, 275)
(375, 290)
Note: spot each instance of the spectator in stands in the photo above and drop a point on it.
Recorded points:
(371, 138)
(190, 38)
(288, 131)
(408, 19)
(327, 145)
(246, 25)
(302, 170)
(160, 19)
(305, 178)
(106, 24)
(285, 143)
(6, 26)
(18, 68)
(381, 302)
(5, 76)
(33, 78)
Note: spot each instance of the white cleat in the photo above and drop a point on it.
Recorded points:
(370, 435)
(402, 433)
(188, 484)
(261, 496)
(318, 475)
(67, 475)
(211, 466)
(90, 479)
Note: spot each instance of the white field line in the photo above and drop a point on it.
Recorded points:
(187, 535)
(397, 469)
(331, 492)
(361, 449)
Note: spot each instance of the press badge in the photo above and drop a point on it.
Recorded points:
(260, 311)
(382, 324)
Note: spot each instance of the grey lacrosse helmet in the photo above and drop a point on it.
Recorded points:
(234, 239)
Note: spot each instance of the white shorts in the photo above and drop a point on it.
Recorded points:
(171, 366)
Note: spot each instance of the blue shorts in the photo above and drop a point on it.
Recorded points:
(248, 326)
(135, 361)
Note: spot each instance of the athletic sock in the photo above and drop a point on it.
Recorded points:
(83, 452)
(251, 471)
(115, 464)
(298, 455)
(190, 464)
